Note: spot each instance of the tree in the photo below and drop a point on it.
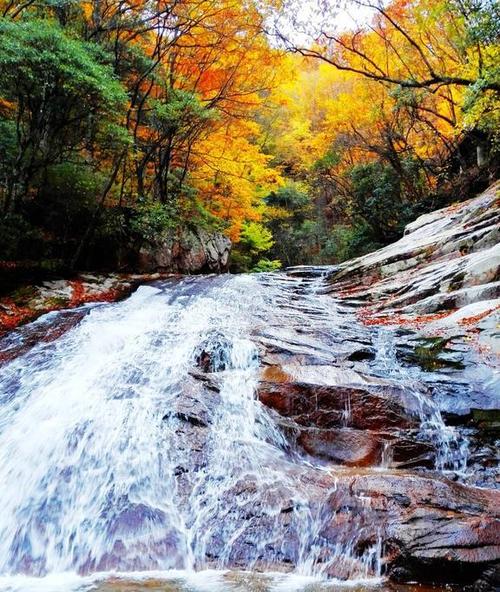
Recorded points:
(156, 100)
(289, 217)
(400, 46)
(255, 240)
(56, 92)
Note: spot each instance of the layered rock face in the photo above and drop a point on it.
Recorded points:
(392, 464)
(193, 251)
(408, 381)
(448, 259)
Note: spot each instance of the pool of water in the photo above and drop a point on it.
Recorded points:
(204, 581)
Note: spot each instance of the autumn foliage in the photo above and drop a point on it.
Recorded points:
(123, 122)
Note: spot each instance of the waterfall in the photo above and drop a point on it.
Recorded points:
(451, 448)
(116, 454)
(135, 444)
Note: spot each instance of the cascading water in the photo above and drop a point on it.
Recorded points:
(115, 454)
(136, 442)
(451, 448)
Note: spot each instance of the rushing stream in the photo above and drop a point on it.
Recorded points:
(451, 447)
(115, 455)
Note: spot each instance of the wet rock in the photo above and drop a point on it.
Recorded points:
(433, 353)
(214, 354)
(343, 446)
(360, 448)
(44, 330)
(336, 406)
(488, 582)
(407, 452)
(298, 348)
(210, 380)
(192, 419)
(401, 574)
(345, 425)
(487, 421)
(442, 531)
(361, 355)
(197, 400)
(309, 271)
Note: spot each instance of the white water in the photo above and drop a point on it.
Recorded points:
(101, 471)
(98, 474)
(183, 581)
(451, 448)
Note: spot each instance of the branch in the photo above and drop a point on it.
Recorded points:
(436, 80)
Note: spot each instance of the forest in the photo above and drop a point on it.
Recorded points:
(124, 121)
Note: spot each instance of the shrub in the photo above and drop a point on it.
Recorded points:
(264, 265)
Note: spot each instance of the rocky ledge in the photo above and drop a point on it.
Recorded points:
(402, 398)
(426, 527)
(27, 303)
(447, 261)
(189, 251)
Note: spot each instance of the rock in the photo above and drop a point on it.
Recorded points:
(309, 271)
(455, 299)
(336, 406)
(28, 303)
(366, 425)
(488, 421)
(193, 251)
(361, 355)
(432, 529)
(435, 530)
(343, 446)
(345, 438)
(433, 353)
(488, 582)
(192, 419)
(407, 452)
(441, 284)
(214, 354)
(44, 330)
(446, 259)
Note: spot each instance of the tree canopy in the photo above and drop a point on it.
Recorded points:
(126, 120)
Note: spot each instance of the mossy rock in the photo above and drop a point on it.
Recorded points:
(56, 302)
(456, 282)
(432, 354)
(487, 420)
(23, 295)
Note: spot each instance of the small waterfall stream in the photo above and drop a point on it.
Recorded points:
(451, 448)
(115, 455)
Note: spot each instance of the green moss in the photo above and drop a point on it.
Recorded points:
(456, 281)
(431, 354)
(57, 302)
(487, 420)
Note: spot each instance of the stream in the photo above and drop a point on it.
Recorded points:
(126, 465)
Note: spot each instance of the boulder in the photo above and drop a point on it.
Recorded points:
(446, 259)
(434, 530)
(191, 251)
(328, 406)
(214, 353)
(345, 446)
